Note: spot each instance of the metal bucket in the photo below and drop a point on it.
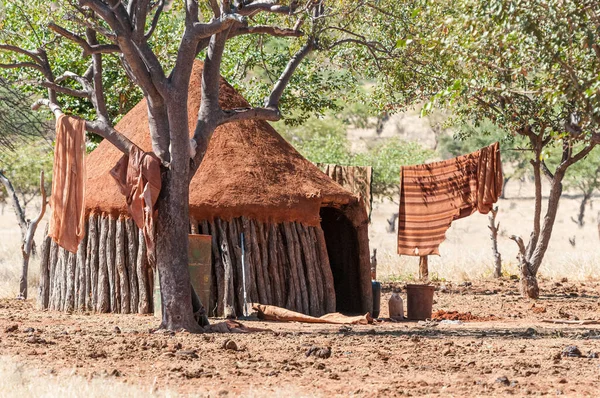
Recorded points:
(419, 301)
(200, 268)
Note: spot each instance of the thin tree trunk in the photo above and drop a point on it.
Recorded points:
(494, 227)
(424, 268)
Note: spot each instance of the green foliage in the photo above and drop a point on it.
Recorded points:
(469, 138)
(323, 140)
(387, 158)
(583, 176)
(23, 166)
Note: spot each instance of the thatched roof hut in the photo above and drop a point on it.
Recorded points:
(306, 237)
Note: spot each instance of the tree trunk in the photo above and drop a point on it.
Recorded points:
(424, 268)
(494, 237)
(132, 249)
(173, 213)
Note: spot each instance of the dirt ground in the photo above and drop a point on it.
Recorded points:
(515, 354)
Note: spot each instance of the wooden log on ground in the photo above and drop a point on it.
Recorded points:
(228, 292)
(131, 263)
(120, 264)
(94, 256)
(110, 262)
(142, 273)
(218, 267)
(44, 286)
(315, 289)
(81, 274)
(103, 289)
(330, 299)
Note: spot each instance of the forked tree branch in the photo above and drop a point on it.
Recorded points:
(87, 48)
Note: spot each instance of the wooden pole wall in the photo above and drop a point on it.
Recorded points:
(286, 265)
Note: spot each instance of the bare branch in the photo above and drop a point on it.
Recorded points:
(284, 79)
(237, 114)
(157, 14)
(265, 6)
(88, 49)
(65, 90)
(19, 211)
(17, 65)
(31, 54)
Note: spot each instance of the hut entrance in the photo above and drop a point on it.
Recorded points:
(342, 249)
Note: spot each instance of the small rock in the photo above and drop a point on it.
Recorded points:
(29, 330)
(530, 332)
(11, 328)
(592, 355)
(571, 351)
(318, 352)
(115, 373)
(503, 380)
(564, 280)
(562, 381)
(230, 345)
(514, 277)
(117, 330)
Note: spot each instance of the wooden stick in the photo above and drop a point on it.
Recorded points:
(314, 255)
(110, 262)
(289, 291)
(235, 253)
(70, 281)
(103, 289)
(142, 274)
(269, 244)
(80, 272)
(314, 282)
(132, 250)
(302, 277)
(254, 278)
(193, 226)
(567, 322)
(301, 298)
(309, 272)
(330, 298)
(52, 262)
(44, 287)
(228, 292)
(121, 244)
(87, 269)
(270, 279)
(94, 255)
(218, 267)
(61, 280)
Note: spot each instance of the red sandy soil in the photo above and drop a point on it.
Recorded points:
(517, 354)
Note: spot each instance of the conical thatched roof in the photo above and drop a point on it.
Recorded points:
(249, 169)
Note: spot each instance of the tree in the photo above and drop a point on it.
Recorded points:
(531, 68)
(19, 126)
(584, 178)
(104, 29)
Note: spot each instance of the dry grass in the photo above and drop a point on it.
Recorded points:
(17, 380)
(466, 254)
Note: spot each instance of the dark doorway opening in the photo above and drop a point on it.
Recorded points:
(342, 249)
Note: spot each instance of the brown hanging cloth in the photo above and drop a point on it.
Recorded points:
(67, 222)
(138, 178)
(435, 194)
